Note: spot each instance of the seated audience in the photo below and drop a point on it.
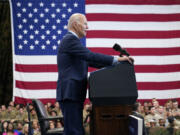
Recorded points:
(160, 119)
(10, 130)
(25, 130)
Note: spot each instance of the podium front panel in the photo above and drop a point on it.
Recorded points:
(113, 85)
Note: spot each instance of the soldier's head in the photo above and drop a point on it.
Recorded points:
(154, 99)
(161, 109)
(145, 103)
(31, 106)
(146, 109)
(175, 104)
(152, 110)
(17, 106)
(3, 107)
(21, 110)
(156, 104)
(9, 108)
(11, 103)
(56, 104)
(33, 112)
(53, 113)
(169, 104)
(49, 104)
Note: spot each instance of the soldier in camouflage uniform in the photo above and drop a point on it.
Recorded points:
(176, 109)
(162, 112)
(22, 116)
(57, 108)
(33, 115)
(10, 114)
(11, 103)
(3, 113)
(152, 116)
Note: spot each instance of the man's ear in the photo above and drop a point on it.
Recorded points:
(75, 26)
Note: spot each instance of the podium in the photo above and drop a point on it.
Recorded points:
(112, 91)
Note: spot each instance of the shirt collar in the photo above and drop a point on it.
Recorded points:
(74, 34)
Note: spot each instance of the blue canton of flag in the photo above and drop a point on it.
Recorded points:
(39, 25)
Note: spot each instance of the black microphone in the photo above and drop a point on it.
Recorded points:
(122, 51)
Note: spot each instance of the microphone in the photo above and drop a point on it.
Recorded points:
(122, 51)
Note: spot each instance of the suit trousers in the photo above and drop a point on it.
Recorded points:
(73, 117)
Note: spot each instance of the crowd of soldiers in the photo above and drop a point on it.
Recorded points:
(156, 115)
(14, 117)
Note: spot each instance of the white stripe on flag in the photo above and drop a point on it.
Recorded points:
(147, 94)
(158, 77)
(157, 60)
(133, 26)
(134, 9)
(38, 94)
(36, 77)
(33, 60)
(140, 77)
(139, 60)
(165, 94)
(133, 43)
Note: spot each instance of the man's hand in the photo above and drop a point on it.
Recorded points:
(126, 58)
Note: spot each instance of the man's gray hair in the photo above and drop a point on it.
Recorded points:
(74, 18)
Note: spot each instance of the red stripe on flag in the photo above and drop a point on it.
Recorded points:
(133, 34)
(24, 101)
(134, 2)
(158, 85)
(19, 100)
(36, 85)
(133, 17)
(152, 68)
(140, 51)
(157, 68)
(36, 68)
(141, 85)
(138, 68)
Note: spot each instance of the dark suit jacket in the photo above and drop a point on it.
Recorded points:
(72, 60)
(141, 117)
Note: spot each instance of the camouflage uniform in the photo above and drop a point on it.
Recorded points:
(150, 117)
(3, 115)
(10, 115)
(58, 110)
(22, 117)
(33, 115)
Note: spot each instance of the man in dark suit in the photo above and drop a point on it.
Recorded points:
(137, 114)
(73, 59)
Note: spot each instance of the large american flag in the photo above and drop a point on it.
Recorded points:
(148, 29)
